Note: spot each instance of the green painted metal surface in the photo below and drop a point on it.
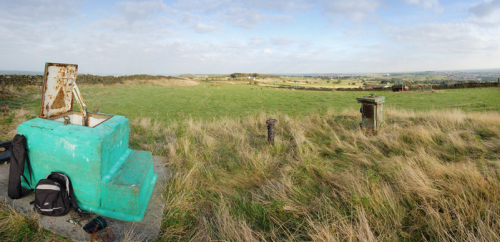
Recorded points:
(108, 178)
(372, 115)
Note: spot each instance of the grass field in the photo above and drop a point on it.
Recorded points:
(344, 84)
(207, 102)
(432, 173)
(411, 77)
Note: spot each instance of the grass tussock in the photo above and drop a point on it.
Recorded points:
(11, 119)
(427, 176)
(17, 227)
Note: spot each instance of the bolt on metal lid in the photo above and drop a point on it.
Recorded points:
(372, 98)
(271, 121)
(57, 97)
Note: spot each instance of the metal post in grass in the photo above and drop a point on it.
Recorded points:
(270, 130)
(371, 111)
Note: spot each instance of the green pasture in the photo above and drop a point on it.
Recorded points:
(411, 77)
(207, 102)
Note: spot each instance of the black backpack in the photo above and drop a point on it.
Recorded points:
(19, 154)
(54, 195)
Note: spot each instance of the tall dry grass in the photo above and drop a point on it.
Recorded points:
(427, 176)
(11, 119)
(15, 226)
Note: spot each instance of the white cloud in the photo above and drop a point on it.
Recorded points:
(279, 19)
(205, 6)
(139, 10)
(194, 22)
(38, 11)
(448, 38)
(486, 14)
(157, 37)
(245, 18)
(29, 27)
(257, 41)
(427, 4)
(485, 9)
(355, 10)
(251, 14)
(119, 24)
(203, 28)
(283, 41)
(281, 5)
(212, 6)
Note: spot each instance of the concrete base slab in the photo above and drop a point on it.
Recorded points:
(146, 230)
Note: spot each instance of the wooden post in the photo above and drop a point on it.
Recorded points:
(3, 86)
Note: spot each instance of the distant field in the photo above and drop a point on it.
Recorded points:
(344, 84)
(207, 102)
(412, 77)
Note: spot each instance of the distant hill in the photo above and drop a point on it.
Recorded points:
(187, 75)
(496, 71)
(477, 71)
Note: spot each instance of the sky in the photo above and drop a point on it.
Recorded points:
(264, 36)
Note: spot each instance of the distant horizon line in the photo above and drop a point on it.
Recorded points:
(19, 72)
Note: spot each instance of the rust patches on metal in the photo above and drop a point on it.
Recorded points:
(58, 101)
(44, 87)
(56, 93)
(368, 111)
(371, 109)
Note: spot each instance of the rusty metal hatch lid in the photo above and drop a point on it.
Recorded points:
(57, 97)
(372, 98)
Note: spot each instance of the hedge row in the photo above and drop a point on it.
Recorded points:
(24, 80)
(455, 86)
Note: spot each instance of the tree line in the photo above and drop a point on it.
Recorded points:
(257, 75)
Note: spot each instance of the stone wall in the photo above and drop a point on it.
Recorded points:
(21, 80)
(455, 86)
(37, 80)
(330, 88)
(466, 85)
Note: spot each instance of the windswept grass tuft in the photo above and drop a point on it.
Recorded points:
(17, 227)
(10, 120)
(425, 176)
